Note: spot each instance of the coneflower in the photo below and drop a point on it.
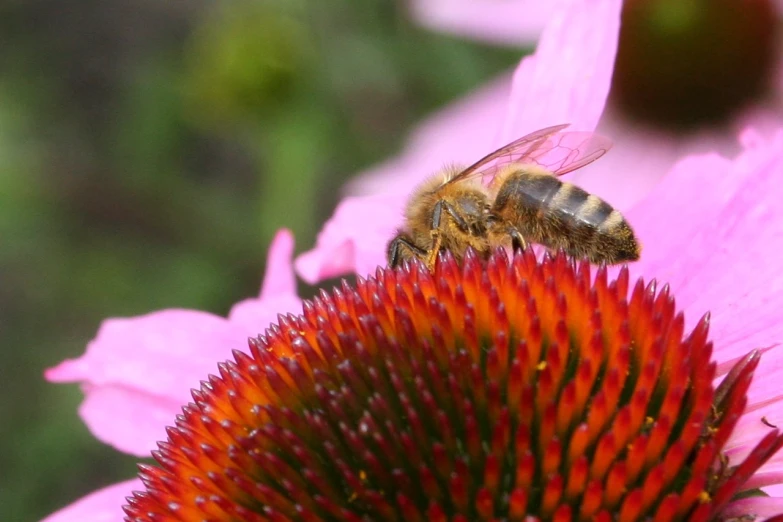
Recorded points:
(509, 389)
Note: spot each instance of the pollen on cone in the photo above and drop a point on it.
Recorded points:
(503, 389)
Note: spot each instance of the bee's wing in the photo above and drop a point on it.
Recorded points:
(556, 151)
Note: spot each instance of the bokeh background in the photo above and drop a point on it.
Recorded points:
(149, 151)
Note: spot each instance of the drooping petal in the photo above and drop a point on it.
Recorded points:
(137, 372)
(148, 364)
(517, 22)
(104, 505)
(129, 419)
(148, 349)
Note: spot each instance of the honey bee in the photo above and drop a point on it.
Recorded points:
(513, 197)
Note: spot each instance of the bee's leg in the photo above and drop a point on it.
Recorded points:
(394, 254)
(502, 231)
(441, 206)
(517, 241)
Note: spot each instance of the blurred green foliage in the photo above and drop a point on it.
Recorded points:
(148, 153)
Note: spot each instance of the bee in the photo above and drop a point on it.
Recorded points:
(513, 197)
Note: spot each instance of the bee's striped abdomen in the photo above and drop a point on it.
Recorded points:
(555, 214)
(576, 205)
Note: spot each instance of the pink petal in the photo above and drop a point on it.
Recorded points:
(157, 349)
(252, 316)
(129, 419)
(138, 372)
(741, 282)
(767, 480)
(765, 393)
(104, 505)
(142, 369)
(762, 507)
(279, 278)
(692, 193)
(278, 293)
(775, 491)
(504, 22)
(567, 80)
(354, 239)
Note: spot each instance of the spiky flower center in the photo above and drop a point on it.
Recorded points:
(499, 390)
